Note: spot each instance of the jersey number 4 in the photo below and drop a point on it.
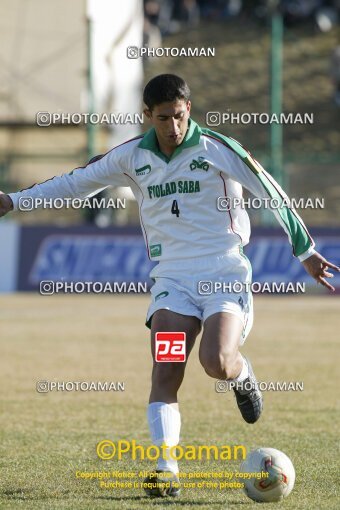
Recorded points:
(174, 208)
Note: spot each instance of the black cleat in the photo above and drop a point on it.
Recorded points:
(161, 484)
(249, 397)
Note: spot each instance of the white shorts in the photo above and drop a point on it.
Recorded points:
(203, 286)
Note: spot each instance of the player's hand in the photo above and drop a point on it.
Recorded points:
(317, 267)
(6, 204)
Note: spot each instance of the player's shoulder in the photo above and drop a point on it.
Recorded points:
(130, 145)
(233, 147)
(123, 148)
(218, 139)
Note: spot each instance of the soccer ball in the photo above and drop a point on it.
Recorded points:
(272, 487)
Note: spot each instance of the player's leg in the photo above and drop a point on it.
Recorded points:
(163, 412)
(219, 355)
(167, 377)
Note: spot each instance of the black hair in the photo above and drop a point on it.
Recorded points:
(165, 88)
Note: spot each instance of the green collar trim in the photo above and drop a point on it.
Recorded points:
(150, 142)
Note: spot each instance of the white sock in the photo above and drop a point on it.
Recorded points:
(165, 425)
(244, 372)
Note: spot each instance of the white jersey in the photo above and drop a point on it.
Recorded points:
(178, 196)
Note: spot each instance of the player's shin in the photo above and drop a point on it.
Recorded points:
(165, 425)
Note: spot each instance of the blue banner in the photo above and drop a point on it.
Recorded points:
(82, 254)
(272, 259)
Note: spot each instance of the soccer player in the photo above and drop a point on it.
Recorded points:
(177, 170)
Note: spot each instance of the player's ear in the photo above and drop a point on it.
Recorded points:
(147, 113)
(188, 106)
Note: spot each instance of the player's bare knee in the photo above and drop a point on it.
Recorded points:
(220, 365)
(211, 364)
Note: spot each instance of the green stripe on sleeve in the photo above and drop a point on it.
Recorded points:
(291, 222)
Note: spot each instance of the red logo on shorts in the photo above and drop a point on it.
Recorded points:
(170, 346)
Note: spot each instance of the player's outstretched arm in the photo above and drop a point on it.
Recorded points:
(6, 204)
(98, 174)
(252, 176)
(316, 265)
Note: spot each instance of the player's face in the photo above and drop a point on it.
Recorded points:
(170, 121)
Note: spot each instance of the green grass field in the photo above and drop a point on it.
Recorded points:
(46, 438)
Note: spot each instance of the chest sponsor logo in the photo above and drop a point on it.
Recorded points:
(169, 188)
(199, 164)
(144, 170)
